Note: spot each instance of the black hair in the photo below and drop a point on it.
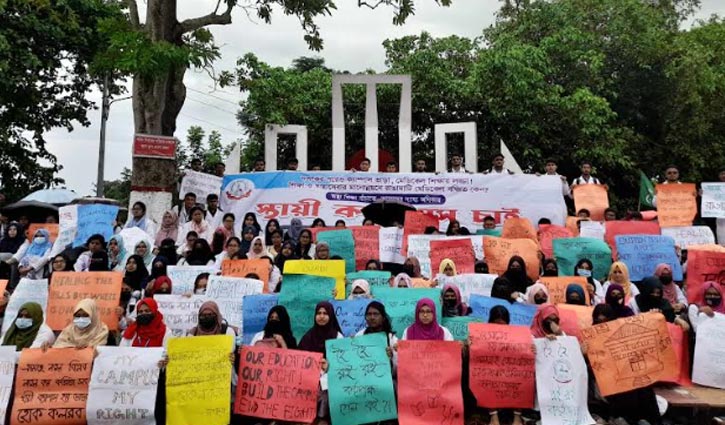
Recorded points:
(212, 197)
(227, 215)
(96, 237)
(499, 312)
(188, 194)
(140, 204)
(544, 220)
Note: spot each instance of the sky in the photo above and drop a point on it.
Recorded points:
(353, 39)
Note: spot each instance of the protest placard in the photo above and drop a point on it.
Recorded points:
(325, 268)
(351, 314)
(469, 284)
(200, 184)
(300, 294)
(502, 366)
(367, 244)
(592, 229)
(547, 234)
(568, 252)
(616, 228)
(181, 313)
(499, 251)
(561, 382)
(342, 244)
(676, 204)
(390, 248)
(3, 285)
(489, 232)
(255, 309)
(400, 304)
(459, 326)
(123, 386)
(642, 254)
(7, 373)
(703, 265)
(373, 277)
(360, 380)
(709, 368)
(228, 293)
(415, 224)
(713, 200)
(521, 314)
(688, 236)
(519, 228)
(419, 247)
(681, 344)
(94, 219)
(458, 250)
(68, 288)
(629, 353)
(198, 380)
(427, 392)
(52, 228)
(573, 224)
(51, 386)
(67, 227)
(557, 287)
(28, 290)
(183, 277)
(243, 268)
(574, 318)
(278, 384)
(316, 231)
(592, 197)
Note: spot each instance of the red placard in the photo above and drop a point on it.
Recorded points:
(367, 244)
(547, 234)
(458, 250)
(148, 146)
(616, 228)
(704, 265)
(415, 224)
(681, 344)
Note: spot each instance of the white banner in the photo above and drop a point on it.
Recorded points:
(469, 284)
(228, 293)
(690, 235)
(708, 368)
(183, 277)
(200, 184)
(123, 386)
(8, 357)
(181, 312)
(390, 245)
(468, 198)
(591, 229)
(28, 290)
(67, 227)
(713, 200)
(561, 382)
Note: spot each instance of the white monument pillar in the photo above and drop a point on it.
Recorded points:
(470, 138)
(272, 131)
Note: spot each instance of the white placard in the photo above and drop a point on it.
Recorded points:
(8, 357)
(67, 226)
(183, 277)
(469, 284)
(561, 382)
(181, 313)
(123, 386)
(228, 293)
(28, 290)
(708, 368)
(390, 245)
(713, 200)
(200, 184)
(591, 229)
(419, 247)
(690, 235)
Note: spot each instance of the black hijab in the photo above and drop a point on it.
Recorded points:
(200, 253)
(387, 326)
(99, 262)
(11, 245)
(159, 271)
(314, 339)
(137, 279)
(502, 289)
(646, 301)
(282, 327)
(518, 278)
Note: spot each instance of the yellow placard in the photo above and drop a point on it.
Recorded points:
(327, 268)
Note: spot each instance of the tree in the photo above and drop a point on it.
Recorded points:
(119, 189)
(47, 51)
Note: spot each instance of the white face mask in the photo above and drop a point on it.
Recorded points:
(23, 322)
(39, 240)
(584, 272)
(200, 291)
(82, 322)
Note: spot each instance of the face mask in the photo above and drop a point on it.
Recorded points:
(713, 302)
(207, 322)
(125, 296)
(449, 303)
(39, 240)
(666, 280)
(144, 319)
(550, 273)
(200, 291)
(82, 322)
(584, 272)
(358, 296)
(23, 322)
(274, 327)
(549, 326)
(162, 291)
(540, 300)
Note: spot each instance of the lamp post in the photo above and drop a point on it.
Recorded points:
(105, 107)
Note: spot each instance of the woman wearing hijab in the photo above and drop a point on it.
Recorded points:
(670, 291)
(159, 267)
(143, 249)
(453, 305)
(712, 304)
(615, 299)
(211, 322)
(168, 250)
(516, 274)
(248, 235)
(619, 274)
(33, 257)
(116, 253)
(413, 266)
(277, 331)
(575, 294)
(499, 315)
(28, 329)
(87, 328)
(149, 329)
(271, 227)
(136, 274)
(294, 230)
(99, 262)
(257, 249)
(360, 288)
(138, 219)
(549, 267)
(373, 264)
(250, 220)
(305, 248)
(200, 255)
(169, 228)
(159, 286)
(546, 322)
(426, 327)
(402, 280)
(650, 299)
(286, 253)
(13, 240)
(197, 224)
(447, 268)
(585, 268)
(537, 294)
(504, 290)
(322, 251)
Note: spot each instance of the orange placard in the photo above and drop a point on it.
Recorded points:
(367, 244)
(3, 285)
(421, 376)
(52, 387)
(519, 228)
(547, 234)
(316, 230)
(52, 229)
(458, 250)
(571, 224)
(415, 224)
(630, 353)
(419, 282)
(676, 204)
(592, 197)
(557, 287)
(704, 266)
(616, 228)
(501, 366)
(574, 318)
(498, 252)
(681, 345)
(68, 288)
(241, 268)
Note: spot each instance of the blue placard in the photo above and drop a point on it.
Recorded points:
(94, 219)
(351, 314)
(521, 314)
(642, 254)
(254, 314)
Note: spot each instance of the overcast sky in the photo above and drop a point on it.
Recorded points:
(353, 41)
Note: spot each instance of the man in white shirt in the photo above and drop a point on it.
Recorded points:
(550, 167)
(214, 214)
(183, 210)
(457, 164)
(498, 166)
(586, 177)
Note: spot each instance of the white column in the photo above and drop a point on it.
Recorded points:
(371, 125)
(338, 125)
(470, 145)
(272, 132)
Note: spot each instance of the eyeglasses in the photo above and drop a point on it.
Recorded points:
(425, 312)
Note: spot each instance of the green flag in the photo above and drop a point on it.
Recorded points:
(646, 191)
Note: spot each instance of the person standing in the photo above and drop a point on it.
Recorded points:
(457, 164)
(550, 170)
(213, 213)
(498, 168)
(420, 166)
(586, 176)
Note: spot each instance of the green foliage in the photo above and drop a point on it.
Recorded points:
(119, 189)
(210, 152)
